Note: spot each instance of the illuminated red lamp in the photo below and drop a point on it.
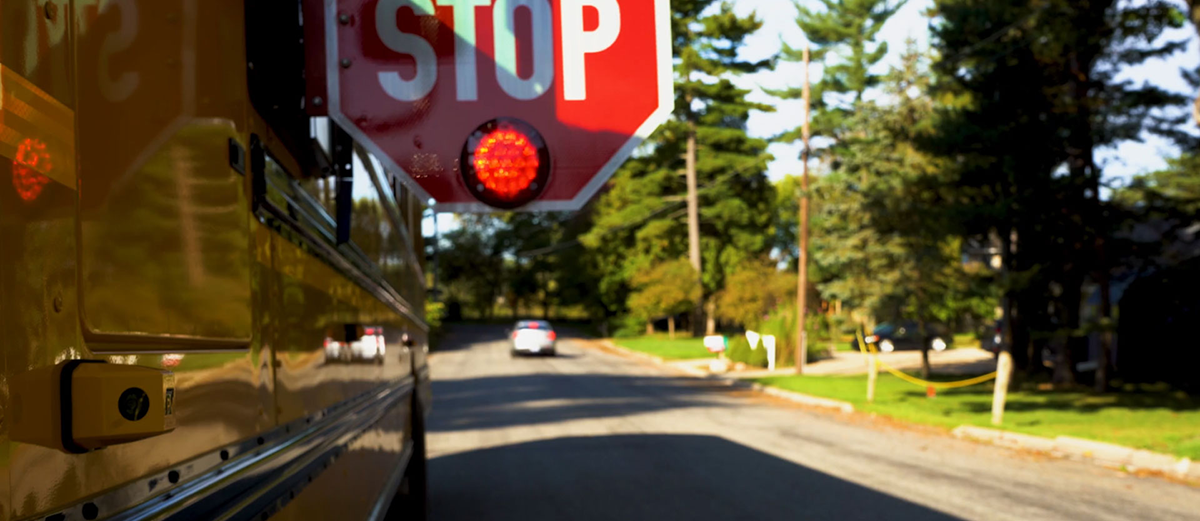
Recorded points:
(505, 163)
(30, 160)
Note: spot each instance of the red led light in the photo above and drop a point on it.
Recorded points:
(506, 162)
(31, 159)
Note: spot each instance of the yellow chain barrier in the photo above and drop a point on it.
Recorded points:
(862, 346)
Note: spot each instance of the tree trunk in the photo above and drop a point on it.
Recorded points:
(671, 327)
(710, 323)
(1194, 12)
(925, 369)
(649, 327)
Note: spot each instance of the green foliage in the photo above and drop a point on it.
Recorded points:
(844, 32)
(738, 349)
(628, 326)
(1173, 190)
(640, 221)
(754, 291)
(434, 312)
(1030, 90)
(666, 289)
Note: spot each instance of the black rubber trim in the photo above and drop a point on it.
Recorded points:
(64, 404)
(237, 156)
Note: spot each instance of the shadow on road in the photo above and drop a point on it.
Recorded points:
(652, 477)
(506, 401)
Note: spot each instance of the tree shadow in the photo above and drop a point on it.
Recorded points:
(648, 477)
(531, 399)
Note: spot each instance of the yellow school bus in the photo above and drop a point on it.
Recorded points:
(211, 300)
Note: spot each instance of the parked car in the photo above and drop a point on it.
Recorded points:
(370, 347)
(905, 335)
(993, 338)
(533, 337)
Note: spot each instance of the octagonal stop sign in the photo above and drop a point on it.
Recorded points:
(510, 104)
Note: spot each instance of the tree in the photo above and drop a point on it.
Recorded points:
(1032, 90)
(641, 219)
(1175, 189)
(471, 264)
(845, 30)
(752, 292)
(666, 289)
(1194, 16)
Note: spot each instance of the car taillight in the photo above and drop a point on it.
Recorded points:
(326, 341)
(505, 163)
(515, 334)
(872, 339)
(551, 335)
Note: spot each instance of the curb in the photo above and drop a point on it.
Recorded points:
(801, 398)
(1095, 452)
(805, 399)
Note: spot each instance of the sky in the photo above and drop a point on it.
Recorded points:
(778, 16)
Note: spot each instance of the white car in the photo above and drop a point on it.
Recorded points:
(370, 347)
(533, 337)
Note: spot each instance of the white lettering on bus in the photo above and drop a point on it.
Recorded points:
(122, 88)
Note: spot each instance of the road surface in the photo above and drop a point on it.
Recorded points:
(592, 436)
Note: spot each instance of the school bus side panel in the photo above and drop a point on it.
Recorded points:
(164, 222)
(222, 396)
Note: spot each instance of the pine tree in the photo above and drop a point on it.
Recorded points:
(844, 33)
(734, 195)
(1036, 91)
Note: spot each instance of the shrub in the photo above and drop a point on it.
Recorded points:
(758, 357)
(782, 324)
(628, 326)
(738, 350)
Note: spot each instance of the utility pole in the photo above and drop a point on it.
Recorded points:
(802, 280)
(693, 213)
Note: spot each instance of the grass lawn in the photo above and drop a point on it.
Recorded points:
(965, 340)
(1154, 419)
(682, 348)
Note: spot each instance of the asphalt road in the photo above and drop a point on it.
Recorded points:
(590, 435)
